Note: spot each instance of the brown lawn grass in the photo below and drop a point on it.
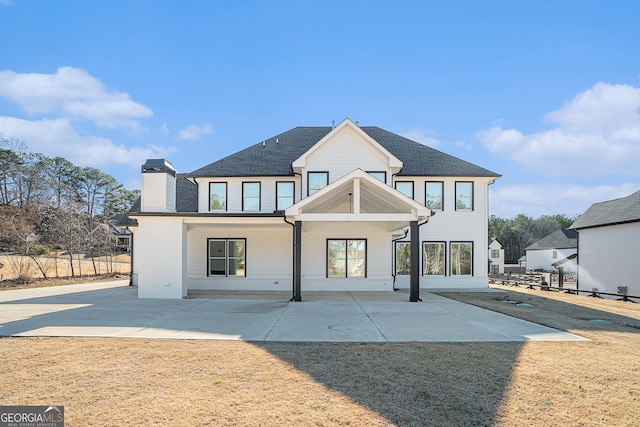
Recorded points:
(192, 383)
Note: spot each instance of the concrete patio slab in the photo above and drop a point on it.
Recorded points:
(112, 309)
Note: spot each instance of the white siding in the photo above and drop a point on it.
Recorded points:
(542, 259)
(608, 258)
(160, 258)
(269, 257)
(234, 192)
(341, 155)
(158, 192)
(314, 257)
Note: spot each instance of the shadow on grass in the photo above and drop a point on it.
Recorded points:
(411, 384)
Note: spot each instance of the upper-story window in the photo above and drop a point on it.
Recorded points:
(284, 195)
(495, 253)
(434, 195)
(251, 196)
(405, 187)
(218, 196)
(382, 176)
(316, 181)
(464, 196)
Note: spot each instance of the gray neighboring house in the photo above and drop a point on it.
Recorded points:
(559, 245)
(608, 246)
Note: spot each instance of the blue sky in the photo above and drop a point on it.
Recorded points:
(546, 93)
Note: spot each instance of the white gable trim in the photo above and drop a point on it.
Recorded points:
(408, 209)
(393, 162)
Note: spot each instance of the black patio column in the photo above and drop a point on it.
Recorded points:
(297, 262)
(414, 286)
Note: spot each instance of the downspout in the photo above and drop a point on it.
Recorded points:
(293, 265)
(131, 262)
(300, 175)
(406, 231)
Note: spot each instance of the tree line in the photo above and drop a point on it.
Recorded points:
(518, 233)
(49, 205)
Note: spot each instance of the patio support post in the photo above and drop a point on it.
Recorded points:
(297, 262)
(414, 290)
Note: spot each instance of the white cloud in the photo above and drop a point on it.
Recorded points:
(420, 135)
(596, 133)
(462, 144)
(74, 93)
(551, 198)
(193, 132)
(57, 137)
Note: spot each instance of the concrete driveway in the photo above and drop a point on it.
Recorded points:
(112, 309)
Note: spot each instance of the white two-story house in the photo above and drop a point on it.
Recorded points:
(344, 208)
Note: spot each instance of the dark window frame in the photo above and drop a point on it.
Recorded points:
(382, 172)
(293, 195)
(226, 262)
(441, 194)
(444, 254)
(473, 195)
(346, 266)
(326, 173)
(451, 243)
(226, 196)
(259, 195)
(395, 257)
(413, 187)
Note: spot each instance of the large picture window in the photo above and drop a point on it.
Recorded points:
(346, 258)
(251, 196)
(403, 258)
(433, 257)
(461, 258)
(316, 181)
(218, 196)
(284, 195)
(227, 257)
(433, 196)
(405, 187)
(464, 196)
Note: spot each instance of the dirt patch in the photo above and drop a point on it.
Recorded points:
(6, 285)
(172, 382)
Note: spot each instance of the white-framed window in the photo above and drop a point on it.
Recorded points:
(226, 257)
(555, 254)
(218, 196)
(433, 258)
(403, 258)
(434, 195)
(251, 197)
(461, 259)
(405, 187)
(316, 181)
(285, 191)
(464, 196)
(346, 258)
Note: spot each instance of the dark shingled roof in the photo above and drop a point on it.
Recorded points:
(279, 152)
(626, 209)
(559, 239)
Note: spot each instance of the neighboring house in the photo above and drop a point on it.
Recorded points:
(609, 243)
(496, 257)
(556, 246)
(119, 228)
(343, 208)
